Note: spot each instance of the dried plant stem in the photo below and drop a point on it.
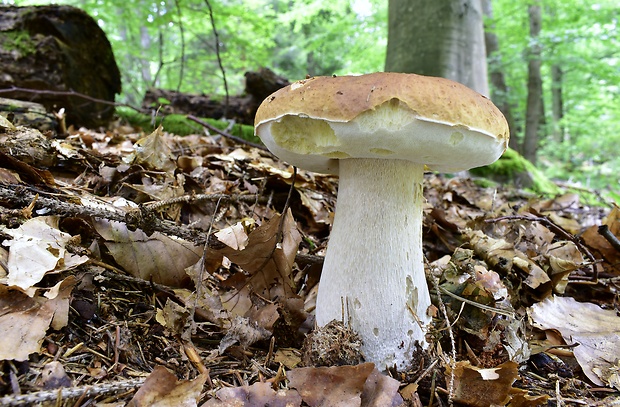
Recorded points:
(452, 361)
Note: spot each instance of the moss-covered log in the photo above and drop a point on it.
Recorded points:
(53, 51)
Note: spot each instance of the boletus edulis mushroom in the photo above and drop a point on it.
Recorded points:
(377, 132)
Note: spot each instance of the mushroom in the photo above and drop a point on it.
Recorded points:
(377, 132)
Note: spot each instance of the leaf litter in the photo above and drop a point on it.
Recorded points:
(152, 269)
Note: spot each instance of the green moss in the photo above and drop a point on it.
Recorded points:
(513, 168)
(181, 125)
(19, 41)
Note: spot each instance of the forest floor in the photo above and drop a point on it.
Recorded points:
(109, 295)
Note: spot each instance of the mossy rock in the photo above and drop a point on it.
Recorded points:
(179, 124)
(513, 168)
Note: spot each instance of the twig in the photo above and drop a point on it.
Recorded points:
(22, 196)
(68, 93)
(452, 362)
(477, 304)
(558, 230)
(71, 392)
(227, 135)
(604, 231)
(141, 218)
(217, 53)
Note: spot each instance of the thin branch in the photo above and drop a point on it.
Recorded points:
(70, 392)
(160, 67)
(604, 231)
(227, 135)
(143, 218)
(558, 230)
(67, 93)
(217, 53)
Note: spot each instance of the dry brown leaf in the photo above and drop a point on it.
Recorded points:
(594, 329)
(290, 358)
(268, 259)
(59, 299)
(162, 389)
(381, 391)
(243, 331)
(338, 386)
(153, 152)
(256, 395)
(37, 248)
(235, 236)
(520, 398)
(209, 307)
(172, 316)
(500, 254)
(564, 258)
(156, 258)
(600, 246)
(53, 376)
(316, 204)
(24, 323)
(5, 124)
(477, 387)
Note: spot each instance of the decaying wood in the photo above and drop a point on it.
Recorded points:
(258, 85)
(58, 48)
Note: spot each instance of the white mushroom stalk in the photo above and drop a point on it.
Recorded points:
(374, 262)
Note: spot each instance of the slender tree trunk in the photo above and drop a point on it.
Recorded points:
(145, 43)
(534, 86)
(557, 102)
(499, 88)
(438, 38)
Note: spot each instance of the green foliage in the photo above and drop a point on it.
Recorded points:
(514, 168)
(159, 45)
(180, 125)
(582, 38)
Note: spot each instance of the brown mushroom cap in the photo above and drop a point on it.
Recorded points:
(434, 121)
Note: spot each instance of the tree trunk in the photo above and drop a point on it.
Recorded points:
(438, 38)
(499, 88)
(557, 102)
(534, 86)
(50, 52)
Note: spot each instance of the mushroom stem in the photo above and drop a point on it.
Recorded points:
(374, 260)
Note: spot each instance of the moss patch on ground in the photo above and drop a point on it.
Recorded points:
(513, 168)
(179, 124)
